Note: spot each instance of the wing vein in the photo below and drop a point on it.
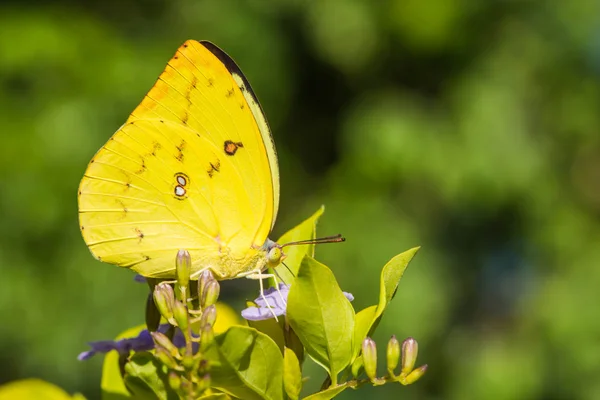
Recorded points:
(192, 202)
(118, 196)
(258, 138)
(222, 129)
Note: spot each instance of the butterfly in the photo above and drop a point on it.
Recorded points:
(194, 167)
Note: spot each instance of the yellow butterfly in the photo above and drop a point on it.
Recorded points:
(194, 167)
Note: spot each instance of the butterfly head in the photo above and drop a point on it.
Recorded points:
(274, 253)
(273, 256)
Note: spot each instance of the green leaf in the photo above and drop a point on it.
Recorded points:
(112, 384)
(362, 325)
(321, 316)
(34, 388)
(368, 319)
(329, 393)
(145, 379)
(390, 277)
(215, 396)
(251, 365)
(292, 375)
(305, 230)
(272, 329)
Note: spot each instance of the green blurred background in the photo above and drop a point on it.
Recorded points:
(469, 128)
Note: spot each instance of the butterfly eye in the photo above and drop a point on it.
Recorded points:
(275, 256)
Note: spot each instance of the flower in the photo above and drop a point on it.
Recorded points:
(276, 304)
(141, 342)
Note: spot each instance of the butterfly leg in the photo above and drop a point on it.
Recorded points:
(256, 274)
(283, 301)
(275, 276)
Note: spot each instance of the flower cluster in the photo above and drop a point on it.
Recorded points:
(181, 344)
(188, 368)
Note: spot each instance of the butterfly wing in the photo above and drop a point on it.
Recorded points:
(194, 167)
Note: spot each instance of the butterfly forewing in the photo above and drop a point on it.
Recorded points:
(189, 169)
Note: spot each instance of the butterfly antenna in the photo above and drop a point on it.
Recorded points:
(279, 276)
(288, 268)
(327, 239)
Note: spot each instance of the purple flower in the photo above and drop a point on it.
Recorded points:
(274, 300)
(276, 303)
(142, 342)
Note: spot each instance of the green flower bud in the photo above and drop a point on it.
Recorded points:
(410, 349)
(188, 361)
(209, 316)
(369, 355)
(207, 336)
(204, 383)
(164, 299)
(415, 375)
(180, 313)
(183, 267)
(165, 358)
(186, 387)
(163, 341)
(393, 354)
(174, 380)
(205, 277)
(203, 366)
(211, 294)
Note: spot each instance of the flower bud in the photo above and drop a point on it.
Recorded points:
(393, 354)
(207, 336)
(369, 355)
(205, 277)
(164, 298)
(161, 340)
(410, 349)
(183, 268)
(204, 383)
(180, 313)
(203, 366)
(209, 316)
(211, 294)
(188, 361)
(186, 386)
(174, 380)
(415, 375)
(165, 358)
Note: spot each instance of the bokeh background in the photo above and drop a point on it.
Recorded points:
(469, 128)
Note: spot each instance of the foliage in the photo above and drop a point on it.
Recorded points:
(184, 359)
(467, 127)
(35, 389)
(264, 360)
